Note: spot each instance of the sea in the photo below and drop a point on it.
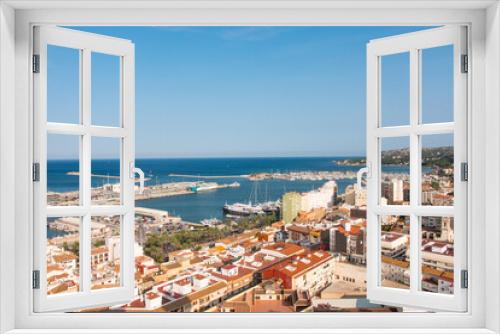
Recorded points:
(203, 205)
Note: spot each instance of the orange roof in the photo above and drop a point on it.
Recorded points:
(200, 276)
(441, 274)
(64, 257)
(136, 303)
(152, 295)
(440, 196)
(278, 224)
(296, 265)
(99, 250)
(53, 267)
(142, 258)
(183, 282)
(217, 249)
(285, 248)
(57, 277)
(395, 262)
(299, 229)
(242, 271)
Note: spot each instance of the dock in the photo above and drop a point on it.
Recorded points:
(102, 176)
(209, 176)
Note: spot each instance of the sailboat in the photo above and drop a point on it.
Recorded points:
(249, 209)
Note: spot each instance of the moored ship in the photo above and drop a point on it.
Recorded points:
(271, 207)
(210, 222)
(242, 209)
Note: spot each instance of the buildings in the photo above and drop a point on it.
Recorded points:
(62, 271)
(291, 206)
(437, 281)
(359, 196)
(191, 295)
(348, 238)
(394, 244)
(438, 228)
(323, 197)
(437, 254)
(395, 189)
(268, 296)
(294, 202)
(350, 277)
(311, 272)
(395, 273)
(238, 278)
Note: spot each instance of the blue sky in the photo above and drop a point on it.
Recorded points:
(247, 91)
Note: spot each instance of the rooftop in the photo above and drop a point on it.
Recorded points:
(299, 263)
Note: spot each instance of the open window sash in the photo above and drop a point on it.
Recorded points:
(63, 276)
(416, 295)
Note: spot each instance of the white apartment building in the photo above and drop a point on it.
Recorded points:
(397, 190)
(350, 195)
(395, 271)
(359, 196)
(351, 274)
(319, 198)
(113, 245)
(437, 254)
(393, 244)
(318, 273)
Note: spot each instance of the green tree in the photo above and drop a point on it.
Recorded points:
(99, 243)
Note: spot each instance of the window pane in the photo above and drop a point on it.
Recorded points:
(63, 254)
(105, 252)
(395, 171)
(437, 84)
(106, 153)
(437, 254)
(105, 90)
(63, 169)
(63, 84)
(395, 89)
(395, 251)
(437, 170)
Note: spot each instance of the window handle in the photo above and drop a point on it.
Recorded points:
(365, 170)
(135, 170)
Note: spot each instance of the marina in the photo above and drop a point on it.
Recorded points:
(110, 193)
(102, 176)
(168, 191)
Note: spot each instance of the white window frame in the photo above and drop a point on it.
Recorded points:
(413, 43)
(16, 20)
(85, 44)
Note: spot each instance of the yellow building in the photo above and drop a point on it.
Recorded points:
(291, 206)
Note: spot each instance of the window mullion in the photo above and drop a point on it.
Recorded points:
(86, 170)
(414, 168)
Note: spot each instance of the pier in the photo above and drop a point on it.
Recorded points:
(304, 176)
(110, 194)
(210, 176)
(102, 176)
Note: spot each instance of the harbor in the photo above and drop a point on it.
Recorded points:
(304, 176)
(206, 185)
(110, 193)
(103, 176)
(181, 188)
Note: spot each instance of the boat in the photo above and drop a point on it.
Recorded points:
(271, 207)
(210, 222)
(242, 209)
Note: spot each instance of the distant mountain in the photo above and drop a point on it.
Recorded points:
(436, 156)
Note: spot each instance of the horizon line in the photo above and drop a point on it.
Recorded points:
(227, 157)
